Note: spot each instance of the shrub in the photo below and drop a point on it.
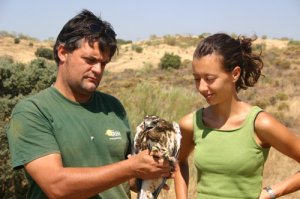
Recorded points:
(259, 47)
(17, 81)
(137, 48)
(283, 64)
(294, 42)
(262, 103)
(13, 182)
(122, 41)
(282, 96)
(283, 107)
(45, 53)
(20, 79)
(169, 60)
(170, 40)
(17, 40)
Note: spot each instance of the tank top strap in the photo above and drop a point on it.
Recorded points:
(197, 121)
(251, 117)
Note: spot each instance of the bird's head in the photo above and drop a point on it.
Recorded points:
(150, 122)
(155, 127)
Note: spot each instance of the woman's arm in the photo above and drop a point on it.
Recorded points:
(272, 133)
(187, 146)
(289, 185)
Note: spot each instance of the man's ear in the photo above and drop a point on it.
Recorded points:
(236, 72)
(62, 53)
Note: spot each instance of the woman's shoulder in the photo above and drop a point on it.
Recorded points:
(264, 121)
(186, 122)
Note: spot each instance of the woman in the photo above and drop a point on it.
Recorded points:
(231, 138)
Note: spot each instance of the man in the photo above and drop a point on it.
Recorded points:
(71, 139)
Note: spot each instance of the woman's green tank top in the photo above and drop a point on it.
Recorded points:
(229, 162)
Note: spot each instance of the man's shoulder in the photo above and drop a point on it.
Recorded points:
(32, 101)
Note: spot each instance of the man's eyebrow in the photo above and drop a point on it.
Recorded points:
(89, 57)
(92, 58)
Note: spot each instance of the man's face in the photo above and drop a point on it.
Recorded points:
(82, 69)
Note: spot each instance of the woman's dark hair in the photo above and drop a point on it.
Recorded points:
(87, 26)
(234, 52)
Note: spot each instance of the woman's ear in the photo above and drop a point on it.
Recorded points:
(236, 72)
(62, 53)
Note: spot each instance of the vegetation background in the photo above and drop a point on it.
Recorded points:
(151, 77)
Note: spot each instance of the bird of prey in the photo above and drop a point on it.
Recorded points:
(162, 138)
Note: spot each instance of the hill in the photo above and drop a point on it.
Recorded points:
(127, 58)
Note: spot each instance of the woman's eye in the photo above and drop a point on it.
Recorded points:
(210, 79)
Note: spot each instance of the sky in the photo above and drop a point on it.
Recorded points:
(139, 19)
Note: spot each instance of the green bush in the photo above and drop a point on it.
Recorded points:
(137, 48)
(20, 79)
(169, 60)
(294, 42)
(17, 40)
(122, 41)
(16, 81)
(45, 53)
(170, 40)
(13, 182)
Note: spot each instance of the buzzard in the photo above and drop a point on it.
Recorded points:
(161, 138)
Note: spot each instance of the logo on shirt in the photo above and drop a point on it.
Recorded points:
(113, 134)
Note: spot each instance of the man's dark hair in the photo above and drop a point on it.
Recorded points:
(86, 26)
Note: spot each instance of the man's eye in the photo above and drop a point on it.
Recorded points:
(90, 61)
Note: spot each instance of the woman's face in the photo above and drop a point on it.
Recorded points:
(214, 83)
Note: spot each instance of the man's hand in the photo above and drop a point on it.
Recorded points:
(149, 167)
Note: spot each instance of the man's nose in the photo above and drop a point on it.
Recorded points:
(98, 68)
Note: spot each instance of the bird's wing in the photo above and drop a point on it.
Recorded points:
(138, 138)
(177, 138)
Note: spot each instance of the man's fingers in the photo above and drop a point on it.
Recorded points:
(166, 187)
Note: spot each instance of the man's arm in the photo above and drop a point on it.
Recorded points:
(68, 182)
